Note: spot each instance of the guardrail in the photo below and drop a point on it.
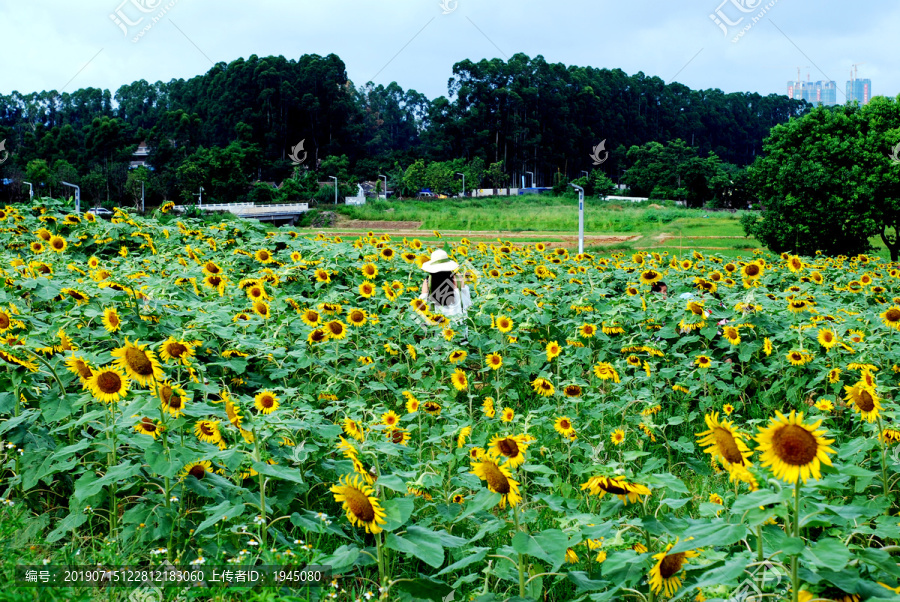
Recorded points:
(245, 208)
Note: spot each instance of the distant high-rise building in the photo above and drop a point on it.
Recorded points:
(815, 93)
(859, 90)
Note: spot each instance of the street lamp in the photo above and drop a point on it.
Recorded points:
(77, 196)
(335, 188)
(142, 196)
(532, 178)
(200, 194)
(464, 182)
(385, 185)
(580, 217)
(30, 190)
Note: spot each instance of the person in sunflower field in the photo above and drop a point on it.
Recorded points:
(446, 290)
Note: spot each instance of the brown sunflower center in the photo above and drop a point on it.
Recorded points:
(198, 470)
(83, 370)
(335, 328)
(266, 401)
(138, 361)
(496, 480)
(565, 424)
(892, 315)
(508, 447)
(113, 319)
(671, 564)
(212, 268)
(728, 446)
(4, 320)
(170, 398)
(108, 382)
(176, 349)
(794, 445)
(752, 269)
(207, 429)
(865, 402)
(609, 487)
(57, 244)
(359, 504)
(397, 436)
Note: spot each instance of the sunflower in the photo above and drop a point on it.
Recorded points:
(264, 256)
(498, 478)
(362, 507)
(352, 428)
(266, 402)
(795, 264)
(618, 437)
(457, 356)
(178, 351)
(703, 361)
(618, 486)
(197, 470)
(891, 317)
(356, 317)
(793, 449)
(261, 309)
(824, 405)
(139, 363)
(322, 276)
(108, 384)
(400, 436)
(412, 405)
(650, 277)
(317, 336)
(504, 324)
(512, 448)
(826, 338)
(367, 289)
(553, 350)
(458, 378)
(311, 317)
(751, 271)
(233, 412)
(147, 427)
(587, 330)
(664, 575)
(732, 335)
(507, 415)
(432, 408)
(543, 387)
(767, 346)
(369, 271)
(390, 419)
(798, 358)
(572, 391)
(488, 407)
(336, 329)
(57, 243)
(173, 398)
(728, 409)
(724, 442)
(208, 431)
(494, 361)
(387, 253)
(78, 365)
(605, 371)
(564, 427)
(864, 400)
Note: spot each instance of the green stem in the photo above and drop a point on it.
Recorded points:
(647, 536)
(795, 559)
(262, 492)
(521, 556)
(382, 582)
(884, 478)
(759, 553)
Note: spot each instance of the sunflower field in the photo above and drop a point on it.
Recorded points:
(184, 391)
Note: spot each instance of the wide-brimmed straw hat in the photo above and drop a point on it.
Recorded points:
(439, 262)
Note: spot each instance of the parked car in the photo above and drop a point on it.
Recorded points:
(101, 212)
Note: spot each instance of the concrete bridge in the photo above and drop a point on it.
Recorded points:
(264, 213)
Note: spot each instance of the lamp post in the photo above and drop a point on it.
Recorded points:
(77, 196)
(385, 185)
(464, 182)
(335, 188)
(142, 196)
(580, 217)
(200, 194)
(30, 190)
(532, 178)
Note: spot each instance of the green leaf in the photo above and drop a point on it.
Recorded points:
(284, 473)
(549, 545)
(423, 588)
(69, 523)
(392, 482)
(419, 542)
(539, 469)
(216, 513)
(397, 512)
(472, 555)
(713, 533)
(342, 559)
(483, 500)
(85, 487)
(583, 583)
(829, 552)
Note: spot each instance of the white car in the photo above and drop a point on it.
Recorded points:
(100, 211)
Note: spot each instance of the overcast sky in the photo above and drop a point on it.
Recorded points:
(65, 45)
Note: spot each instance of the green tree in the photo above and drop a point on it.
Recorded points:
(133, 185)
(39, 173)
(827, 182)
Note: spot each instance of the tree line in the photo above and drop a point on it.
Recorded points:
(232, 129)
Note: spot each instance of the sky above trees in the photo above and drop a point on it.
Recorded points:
(50, 45)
